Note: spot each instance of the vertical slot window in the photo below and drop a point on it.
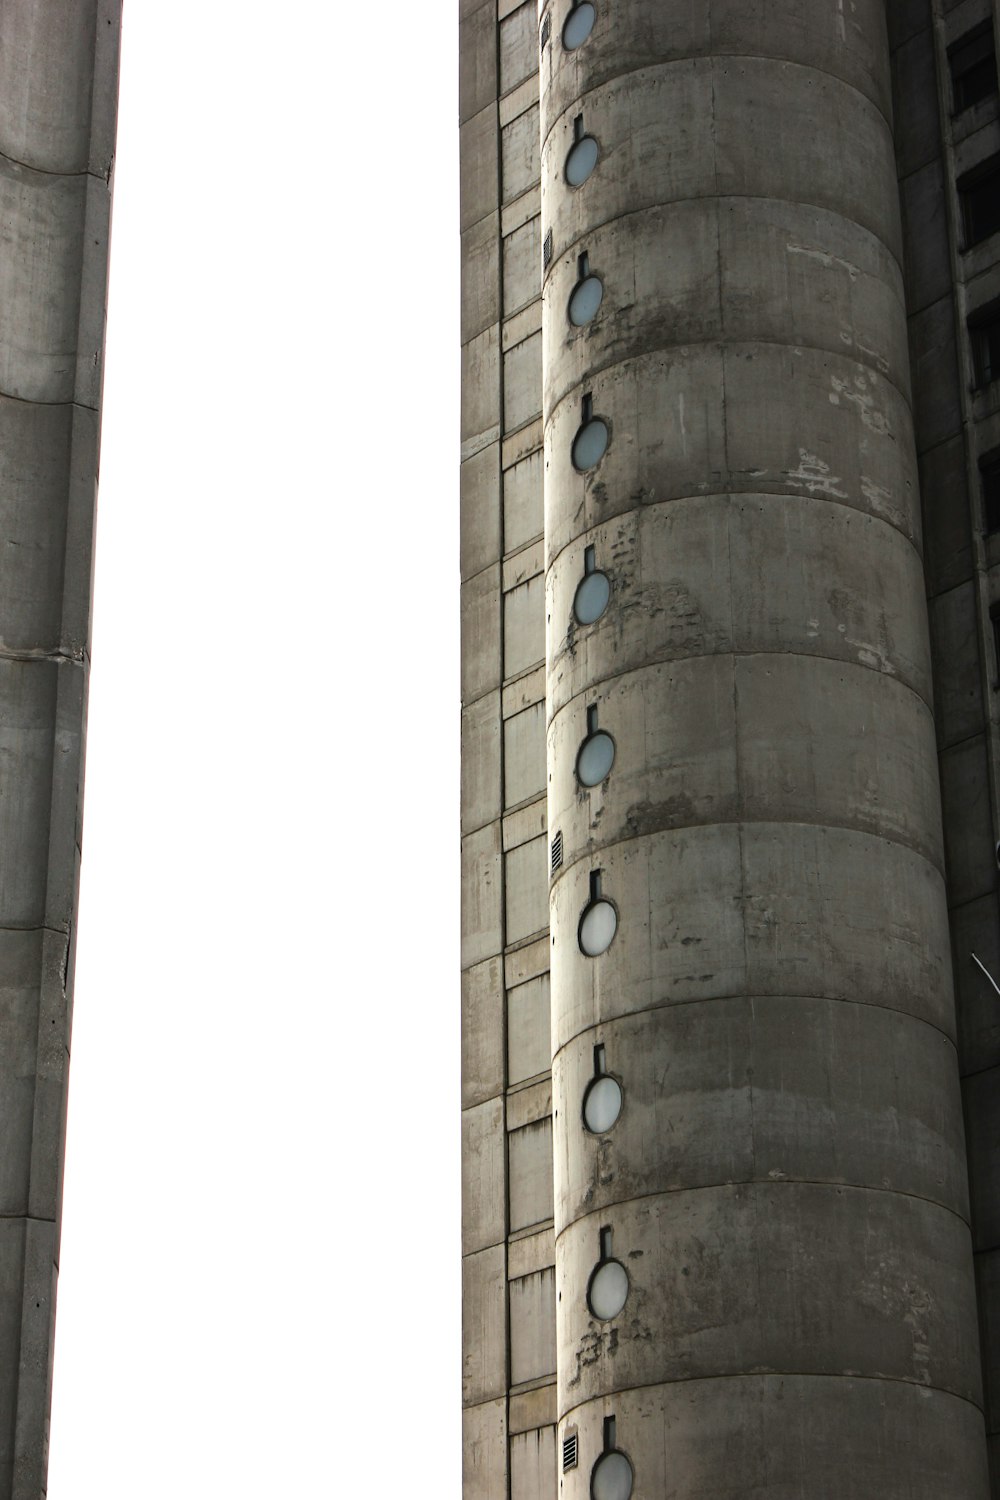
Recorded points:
(972, 63)
(593, 592)
(599, 922)
(602, 1100)
(979, 195)
(989, 479)
(592, 438)
(596, 755)
(612, 1477)
(984, 336)
(586, 296)
(582, 156)
(607, 1290)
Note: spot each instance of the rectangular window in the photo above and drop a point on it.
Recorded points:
(972, 62)
(989, 478)
(979, 194)
(984, 335)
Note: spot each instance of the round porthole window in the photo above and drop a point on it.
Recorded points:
(585, 300)
(578, 26)
(596, 757)
(602, 1104)
(597, 928)
(581, 160)
(590, 444)
(608, 1290)
(612, 1477)
(591, 598)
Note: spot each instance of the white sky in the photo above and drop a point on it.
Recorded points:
(260, 1257)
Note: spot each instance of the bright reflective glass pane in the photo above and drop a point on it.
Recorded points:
(590, 444)
(591, 599)
(602, 1104)
(581, 161)
(612, 1478)
(608, 1290)
(579, 26)
(586, 299)
(599, 925)
(596, 758)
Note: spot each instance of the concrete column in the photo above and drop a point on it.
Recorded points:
(58, 90)
(786, 1185)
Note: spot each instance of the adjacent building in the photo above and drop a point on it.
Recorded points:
(58, 93)
(730, 821)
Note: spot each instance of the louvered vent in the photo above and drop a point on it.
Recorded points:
(569, 1452)
(547, 251)
(546, 31)
(556, 851)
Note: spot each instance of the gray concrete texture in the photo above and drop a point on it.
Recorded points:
(786, 1185)
(58, 96)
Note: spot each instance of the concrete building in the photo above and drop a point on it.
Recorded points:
(731, 616)
(58, 92)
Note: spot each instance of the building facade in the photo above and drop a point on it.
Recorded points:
(58, 97)
(730, 820)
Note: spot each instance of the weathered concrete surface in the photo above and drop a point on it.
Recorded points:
(758, 1438)
(58, 95)
(786, 1184)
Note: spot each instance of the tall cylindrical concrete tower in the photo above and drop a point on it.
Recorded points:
(58, 93)
(763, 1261)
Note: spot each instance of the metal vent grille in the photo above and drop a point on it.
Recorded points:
(547, 250)
(569, 1452)
(556, 851)
(546, 30)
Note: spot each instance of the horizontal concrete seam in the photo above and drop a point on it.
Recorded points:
(28, 166)
(958, 906)
(979, 1072)
(717, 197)
(538, 1383)
(671, 62)
(679, 1380)
(592, 371)
(33, 401)
(745, 822)
(476, 696)
(35, 927)
(26, 1218)
(946, 746)
(724, 345)
(775, 1182)
(595, 686)
(753, 995)
(645, 508)
(949, 437)
(860, 666)
(749, 198)
(75, 658)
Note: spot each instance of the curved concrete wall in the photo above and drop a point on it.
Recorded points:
(58, 90)
(786, 1183)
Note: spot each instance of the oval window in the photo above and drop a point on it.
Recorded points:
(608, 1290)
(590, 444)
(596, 757)
(586, 298)
(579, 26)
(612, 1477)
(581, 161)
(602, 1104)
(597, 928)
(591, 598)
